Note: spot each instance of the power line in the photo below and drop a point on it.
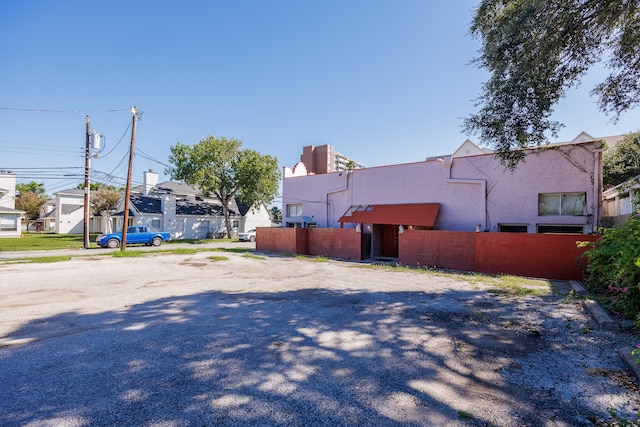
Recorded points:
(63, 185)
(120, 140)
(46, 168)
(148, 157)
(49, 154)
(33, 144)
(45, 110)
(121, 162)
(35, 177)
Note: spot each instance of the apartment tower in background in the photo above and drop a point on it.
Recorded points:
(324, 159)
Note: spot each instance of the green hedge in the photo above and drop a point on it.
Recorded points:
(613, 270)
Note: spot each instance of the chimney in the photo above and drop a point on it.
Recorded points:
(150, 180)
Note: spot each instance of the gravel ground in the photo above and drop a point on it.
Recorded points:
(181, 340)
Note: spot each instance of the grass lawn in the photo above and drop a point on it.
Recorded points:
(47, 241)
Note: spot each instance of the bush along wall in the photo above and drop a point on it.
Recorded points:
(613, 269)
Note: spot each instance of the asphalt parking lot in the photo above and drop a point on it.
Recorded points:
(180, 340)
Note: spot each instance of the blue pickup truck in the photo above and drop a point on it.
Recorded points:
(137, 235)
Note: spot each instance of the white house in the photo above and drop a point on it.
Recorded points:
(181, 210)
(10, 218)
(183, 218)
(168, 206)
(48, 215)
(69, 212)
(621, 202)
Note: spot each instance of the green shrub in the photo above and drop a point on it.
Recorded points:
(613, 269)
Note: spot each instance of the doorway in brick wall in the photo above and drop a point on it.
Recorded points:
(389, 241)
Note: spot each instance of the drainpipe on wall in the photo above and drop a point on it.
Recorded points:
(597, 197)
(482, 182)
(337, 190)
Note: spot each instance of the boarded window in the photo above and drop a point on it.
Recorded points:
(512, 228)
(562, 229)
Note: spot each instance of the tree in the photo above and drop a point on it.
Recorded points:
(30, 197)
(30, 203)
(276, 214)
(622, 162)
(103, 200)
(225, 171)
(36, 188)
(535, 50)
(93, 186)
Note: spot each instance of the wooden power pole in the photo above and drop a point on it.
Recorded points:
(127, 193)
(86, 187)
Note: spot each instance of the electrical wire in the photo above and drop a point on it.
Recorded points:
(44, 110)
(68, 176)
(120, 163)
(120, 140)
(148, 157)
(45, 168)
(52, 151)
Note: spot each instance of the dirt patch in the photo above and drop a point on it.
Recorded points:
(45, 296)
(286, 341)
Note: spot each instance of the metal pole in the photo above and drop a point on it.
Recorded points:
(127, 193)
(86, 187)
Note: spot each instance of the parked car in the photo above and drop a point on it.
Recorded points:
(135, 236)
(221, 233)
(249, 236)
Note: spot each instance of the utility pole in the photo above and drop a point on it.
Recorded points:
(127, 193)
(86, 188)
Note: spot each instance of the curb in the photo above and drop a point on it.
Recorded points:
(630, 360)
(578, 289)
(600, 315)
(606, 323)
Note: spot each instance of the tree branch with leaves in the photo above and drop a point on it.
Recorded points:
(220, 168)
(622, 162)
(30, 197)
(535, 50)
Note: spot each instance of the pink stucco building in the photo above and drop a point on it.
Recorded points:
(556, 190)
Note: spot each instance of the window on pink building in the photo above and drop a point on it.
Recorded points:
(566, 204)
(294, 210)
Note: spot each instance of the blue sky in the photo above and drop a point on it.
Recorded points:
(384, 82)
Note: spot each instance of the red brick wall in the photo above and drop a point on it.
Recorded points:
(445, 249)
(281, 240)
(550, 256)
(335, 242)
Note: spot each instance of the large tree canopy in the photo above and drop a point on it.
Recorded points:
(622, 162)
(104, 200)
(30, 199)
(36, 188)
(225, 171)
(535, 50)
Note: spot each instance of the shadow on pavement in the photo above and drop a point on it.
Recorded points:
(304, 357)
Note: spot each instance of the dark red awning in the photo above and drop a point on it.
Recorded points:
(416, 214)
